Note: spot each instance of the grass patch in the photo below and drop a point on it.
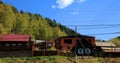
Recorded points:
(57, 59)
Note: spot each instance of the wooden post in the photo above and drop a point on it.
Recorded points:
(32, 48)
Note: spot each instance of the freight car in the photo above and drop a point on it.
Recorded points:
(12, 45)
(82, 45)
(76, 44)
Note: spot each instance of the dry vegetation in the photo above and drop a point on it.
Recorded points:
(57, 59)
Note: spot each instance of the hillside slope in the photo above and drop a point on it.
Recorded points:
(12, 21)
(116, 41)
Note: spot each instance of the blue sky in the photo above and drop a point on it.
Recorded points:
(76, 12)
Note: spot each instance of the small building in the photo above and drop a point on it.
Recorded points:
(42, 45)
(107, 49)
(105, 44)
(76, 44)
(13, 45)
(43, 48)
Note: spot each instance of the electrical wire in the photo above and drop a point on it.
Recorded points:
(87, 27)
(96, 28)
(105, 33)
(98, 25)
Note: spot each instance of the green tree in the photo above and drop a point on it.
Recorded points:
(12, 21)
(7, 17)
(116, 41)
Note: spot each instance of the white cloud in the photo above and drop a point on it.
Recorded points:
(53, 6)
(81, 1)
(75, 13)
(62, 3)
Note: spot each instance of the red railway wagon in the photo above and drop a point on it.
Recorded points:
(12, 45)
(76, 44)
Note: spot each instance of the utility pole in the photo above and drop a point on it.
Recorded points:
(76, 42)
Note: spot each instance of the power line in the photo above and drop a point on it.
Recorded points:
(95, 25)
(88, 28)
(105, 33)
(97, 28)
(102, 33)
(91, 27)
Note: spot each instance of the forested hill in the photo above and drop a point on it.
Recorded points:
(13, 21)
(116, 41)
